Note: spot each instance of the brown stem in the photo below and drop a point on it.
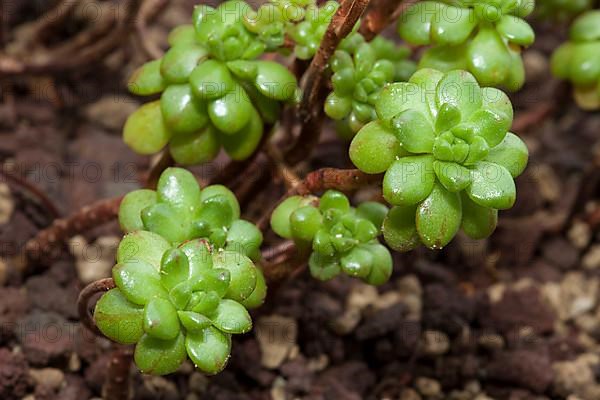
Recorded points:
(345, 180)
(60, 59)
(380, 14)
(49, 239)
(116, 386)
(39, 194)
(280, 167)
(148, 11)
(88, 292)
(310, 109)
(165, 161)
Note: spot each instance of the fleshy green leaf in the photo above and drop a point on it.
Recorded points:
(118, 318)
(209, 349)
(160, 319)
(414, 25)
(211, 80)
(178, 188)
(145, 131)
(516, 30)
(182, 34)
(511, 153)
(179, 62)
(131, 208)
(586, 27)
(159, 357)
(452, 25)
(231, 317)
(142, 246)
(400, 230)
(382, 264)
(444, 58)
(305, 222)
(204, 302)
(488, 57)
(409, 180)
(193, 322)
(174, 268)
(323, 267)
(490, 125)
(232, 112)
(439, 217)
(195, 148)
(241, 145)
(216, 212)
(453, 176)
(275, 81)
(138, 281)
(257, 298)
(163, 219)
(147, 80)
(414, 131)
(220, 190)
(372, 211)
(357, 263)
(280, 218)
(492, 186)
(461, 90)
(182, 112)
(397, 97)
(198, 255)
(428, 79)
(478, 222)
(243, 274)
(374, 148)
(244, 237)
(215, 280)
(332, 199)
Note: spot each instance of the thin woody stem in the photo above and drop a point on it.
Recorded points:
(46, 241)
(380, 14)
(310, 110)
(100, 286)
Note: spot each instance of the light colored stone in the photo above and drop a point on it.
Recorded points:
(591, 259)
(491, 341)
(435, 343)
(409, 394)
(576, 294)
(50, 377)
(577, 377)
(74, 362)
(7, 204)
(278, 389)
(276, 337)
(94, 261)
(428, 387)
(580, 234)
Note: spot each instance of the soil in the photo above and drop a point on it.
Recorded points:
(516, 316)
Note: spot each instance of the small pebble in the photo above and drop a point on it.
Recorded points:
(428, 387)
(591, 259)
(435, 343)
(409, 394)
(50, 377)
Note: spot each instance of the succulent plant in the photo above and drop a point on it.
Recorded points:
(449, 161)
(184, 275)
(215, 93)
(340, 238)
(562, 9)
(578, 60)
(360, 70)
(484, 37)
